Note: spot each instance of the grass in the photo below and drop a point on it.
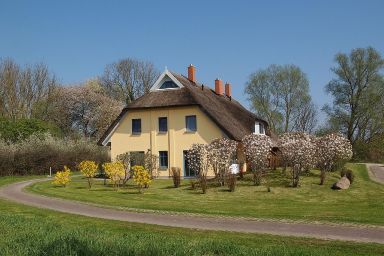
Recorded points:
(32, 231)
(359, 204)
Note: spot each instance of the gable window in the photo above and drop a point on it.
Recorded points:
(163, 124)
(136, 126)
(259, 128)
(190, 123)
(168, 85)
(163, 159)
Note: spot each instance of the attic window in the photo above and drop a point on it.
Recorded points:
(259, 128)
(168, 85)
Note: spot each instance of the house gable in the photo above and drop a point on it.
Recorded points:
(166, 77)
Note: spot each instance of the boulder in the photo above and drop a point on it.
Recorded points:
(343, 183)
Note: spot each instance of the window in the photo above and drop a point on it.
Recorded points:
(163, 125)
(136, 126)
(190, 123)
(136, 158)
(261, 128)
(168, 85)
(163, 158)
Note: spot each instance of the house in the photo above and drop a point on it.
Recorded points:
(176, 113)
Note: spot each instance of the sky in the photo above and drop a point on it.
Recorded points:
(222, 39)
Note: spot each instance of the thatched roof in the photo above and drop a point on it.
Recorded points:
(228, 114)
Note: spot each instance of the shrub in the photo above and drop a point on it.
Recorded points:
(35, 155)
(62, 178)
(141, 177)
(348, 173)
(88, 169)
(176, 177)
(231, 181)
(115, 172)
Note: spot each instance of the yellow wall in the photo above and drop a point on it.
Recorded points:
(174, 141)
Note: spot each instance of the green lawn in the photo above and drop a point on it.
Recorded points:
(32, 231)
(362, 203)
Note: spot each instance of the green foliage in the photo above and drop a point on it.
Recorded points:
(358, 94)
(16, 130)
(38, 153)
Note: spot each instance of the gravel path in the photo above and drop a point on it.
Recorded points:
(376, 172)
(15, 192)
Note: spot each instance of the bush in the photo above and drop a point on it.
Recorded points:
(141, 177)
(115, 172)
(176, 176)
(347, 173)
(35, 155)
(88, 169)
(62, 178)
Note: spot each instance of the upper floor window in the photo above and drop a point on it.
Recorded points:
(136, 126)
(168, 85)
(259, 128)
(163, 159)
(163, 124)
(190, 123)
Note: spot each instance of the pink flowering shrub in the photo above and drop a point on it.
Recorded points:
(331, 150)
(221, 154)
(257, 148)
(298, 152)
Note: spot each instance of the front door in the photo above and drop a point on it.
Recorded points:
(187, 171)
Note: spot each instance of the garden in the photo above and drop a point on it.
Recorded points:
(300, 190)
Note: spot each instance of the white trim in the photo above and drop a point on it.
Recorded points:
(107, 139)
(156, 86)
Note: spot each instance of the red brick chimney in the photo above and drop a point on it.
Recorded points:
(228, 89)
(219, 87)
(191, 73)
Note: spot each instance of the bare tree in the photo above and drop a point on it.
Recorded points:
(305, 117)
(23, 89)
(128, 79)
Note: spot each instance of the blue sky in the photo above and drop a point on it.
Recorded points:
(226, 39)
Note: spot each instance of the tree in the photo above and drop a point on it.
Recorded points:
(221, 153)
(22, 88)
(128, 79)
(305, 117)
(199, 162)
(277, 94)
(331, 149)
(257, 148)
(88, 169)
(298, 152)
(357, 92)
(85, 109)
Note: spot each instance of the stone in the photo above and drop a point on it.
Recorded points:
(342, 183)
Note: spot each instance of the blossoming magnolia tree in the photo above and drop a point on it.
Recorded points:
(221, 153)
(199, 163)
(331, 149)
(298, 152)
(257, 148)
